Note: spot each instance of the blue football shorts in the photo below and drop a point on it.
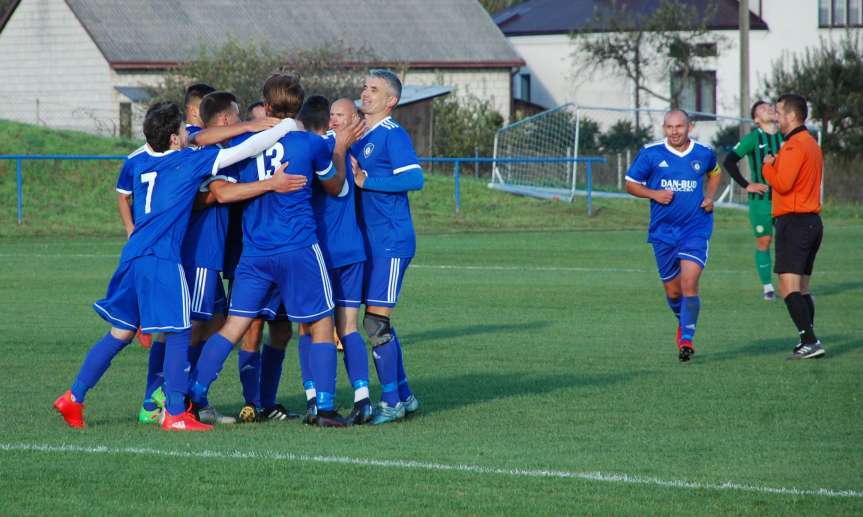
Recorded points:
(347, 282)
(668, 256)
(207, 291)
(148, 292)
(300, 276)
(383, 280)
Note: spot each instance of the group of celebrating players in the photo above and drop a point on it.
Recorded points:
(304, 209)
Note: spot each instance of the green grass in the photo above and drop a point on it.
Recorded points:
(538, 350)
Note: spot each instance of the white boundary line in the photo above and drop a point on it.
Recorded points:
(417, 465)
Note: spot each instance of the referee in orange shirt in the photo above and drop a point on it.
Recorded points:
(795, 176)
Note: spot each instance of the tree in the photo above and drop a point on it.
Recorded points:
(242, 70)
(830, 76)
(463, 125)
(493, 6)
(622, 136)
(669, 42)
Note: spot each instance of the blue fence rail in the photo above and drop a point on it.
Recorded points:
(456, 163)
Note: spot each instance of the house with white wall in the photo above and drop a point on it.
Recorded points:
(81, 64)
(540, 30)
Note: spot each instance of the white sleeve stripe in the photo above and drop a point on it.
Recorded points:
(406, 168)
(125, 192)
(205, 186)
(325, 171)
(217, 163)
(636, 181)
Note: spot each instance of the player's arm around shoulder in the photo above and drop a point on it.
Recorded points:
(345, 137)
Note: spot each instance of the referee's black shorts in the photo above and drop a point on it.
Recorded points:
(798, 237)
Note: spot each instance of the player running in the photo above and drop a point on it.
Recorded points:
(343, 248)
(671, 174)
(764, 140)
(149, 286)
(386, 168)
(280, 250)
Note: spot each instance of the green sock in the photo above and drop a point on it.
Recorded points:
(762, 263)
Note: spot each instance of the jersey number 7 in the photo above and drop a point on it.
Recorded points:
(150, 179)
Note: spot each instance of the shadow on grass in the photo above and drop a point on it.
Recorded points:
(469, 330)
(452, 392)
(831, 289)
(834, 344)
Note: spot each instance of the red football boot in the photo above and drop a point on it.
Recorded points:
(146, 340)
(685, 350)
(679, 335)
(73, 412)
(185, 421)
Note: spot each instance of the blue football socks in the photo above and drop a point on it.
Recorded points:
(674, 304)
(386, 359)
(323, 358)
(357, 364)
(95, 364)
(213, 356)
(689, 316)
(304, 349)
(401, 376)
(271, 374)
(176, 370)
(155, 377)
(249, 366)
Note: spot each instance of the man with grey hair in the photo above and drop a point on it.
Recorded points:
(670, 173)
(385, 168)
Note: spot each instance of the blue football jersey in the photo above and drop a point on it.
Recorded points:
(336, 217)
(660, 167)
(204, 244)
(163, 189)
(274, 222)
(385, 217)
(124, 179)
(191, 129)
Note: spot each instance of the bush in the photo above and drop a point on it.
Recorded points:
(242, 70)
(622, 136)
(463, 125)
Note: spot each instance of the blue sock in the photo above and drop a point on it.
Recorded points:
(249, 366)
(323, 358)
(675, 303)
(386, 359)
(689, 316)
(176, 368)
(271, 374)
(155, 377)
(357, 364)
(305, 366)
(211, 362)
(95, 364)
(404, 390)
(195, 353)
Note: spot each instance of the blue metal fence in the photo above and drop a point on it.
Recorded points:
(456, 163)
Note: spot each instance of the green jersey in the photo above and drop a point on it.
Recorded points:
(755, 146)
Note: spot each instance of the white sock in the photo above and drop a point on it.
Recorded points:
(311, 394)
(768, 288)
(361, 393)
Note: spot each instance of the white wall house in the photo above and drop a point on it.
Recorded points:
(80, 64)
(540, 31)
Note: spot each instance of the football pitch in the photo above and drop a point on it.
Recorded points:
(548, 374)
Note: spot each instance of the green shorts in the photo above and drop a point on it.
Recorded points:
(761, 217)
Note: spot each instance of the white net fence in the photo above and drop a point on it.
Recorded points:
(576, 133)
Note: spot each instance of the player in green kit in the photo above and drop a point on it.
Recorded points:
(763, 140)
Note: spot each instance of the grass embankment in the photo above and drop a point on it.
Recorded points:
(77, 198)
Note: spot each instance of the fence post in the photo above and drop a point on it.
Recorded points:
(456, 175)
(476, 162)
(19, 179)
(589, 172)
(619, 173)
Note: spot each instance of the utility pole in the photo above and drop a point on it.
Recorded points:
(743, 22)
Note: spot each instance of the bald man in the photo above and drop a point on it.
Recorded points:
(670, 173)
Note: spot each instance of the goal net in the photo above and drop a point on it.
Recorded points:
(546, 155)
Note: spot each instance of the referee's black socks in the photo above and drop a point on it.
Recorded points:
(799, 310)
(810, 303)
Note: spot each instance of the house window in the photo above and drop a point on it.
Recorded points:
(697, 92)
(840, 13)
(524, 87)
(706, 50)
